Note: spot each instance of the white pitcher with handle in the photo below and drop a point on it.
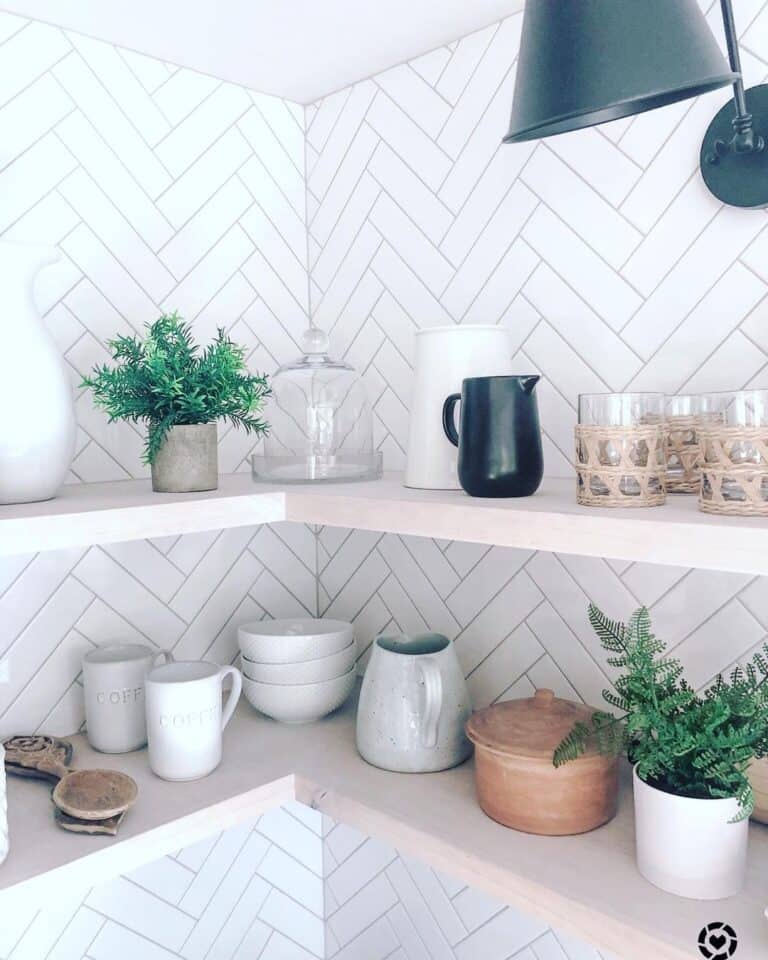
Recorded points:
(413, 705)
(37, 412)
(445, 356)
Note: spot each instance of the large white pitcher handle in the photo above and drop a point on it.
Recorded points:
(433, 700)
(234, 693)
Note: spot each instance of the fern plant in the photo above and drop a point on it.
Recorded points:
(165, 379)
(686, 743)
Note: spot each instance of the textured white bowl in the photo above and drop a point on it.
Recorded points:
(308, 671)
(299, 703)
(293, 641)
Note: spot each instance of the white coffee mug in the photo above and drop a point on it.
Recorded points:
(185, 718)
(114, 676)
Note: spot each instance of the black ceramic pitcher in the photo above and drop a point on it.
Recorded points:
(499, 439)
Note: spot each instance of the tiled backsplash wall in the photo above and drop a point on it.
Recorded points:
(255, 890)
(613, 269)
(380, 904)
(519, 618)
(188, 593)
(602, 253)
(164, 189)
(601, 250)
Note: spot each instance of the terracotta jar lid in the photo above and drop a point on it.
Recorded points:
(530, 727)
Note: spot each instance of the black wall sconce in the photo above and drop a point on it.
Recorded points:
(584, 62)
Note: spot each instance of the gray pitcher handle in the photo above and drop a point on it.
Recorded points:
(433, 701)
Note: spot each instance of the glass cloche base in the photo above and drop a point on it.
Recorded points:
(339, 468)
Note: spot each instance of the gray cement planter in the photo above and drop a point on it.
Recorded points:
(188, 460)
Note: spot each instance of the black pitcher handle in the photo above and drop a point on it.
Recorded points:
(449, 422)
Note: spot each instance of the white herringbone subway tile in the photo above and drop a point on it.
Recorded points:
(206, 901)
(600, 251)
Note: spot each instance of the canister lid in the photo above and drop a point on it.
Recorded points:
(529, 727)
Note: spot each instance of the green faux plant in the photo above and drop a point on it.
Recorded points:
(165, 379)
(683, 742)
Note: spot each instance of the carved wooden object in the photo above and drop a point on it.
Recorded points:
(86, 801)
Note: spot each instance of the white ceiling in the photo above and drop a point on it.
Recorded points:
(299, 49)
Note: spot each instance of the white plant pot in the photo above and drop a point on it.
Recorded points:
(37, 411)
(689, 846)
(4, 845)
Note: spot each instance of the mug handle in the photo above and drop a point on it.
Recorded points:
(433, 700)
(449, 423)
(163, 653)
(234, 693)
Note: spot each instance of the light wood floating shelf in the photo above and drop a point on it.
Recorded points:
(676, 533)
(587, 884)
(91, 513)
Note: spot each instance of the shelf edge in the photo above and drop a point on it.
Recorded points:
(530, 897)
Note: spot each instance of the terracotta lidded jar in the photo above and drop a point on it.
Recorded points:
(517, 784)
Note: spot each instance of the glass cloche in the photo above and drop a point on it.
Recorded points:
(320, 421)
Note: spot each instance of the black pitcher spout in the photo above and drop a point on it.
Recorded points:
(528, 383)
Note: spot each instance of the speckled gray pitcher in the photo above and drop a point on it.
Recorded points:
(413, 705)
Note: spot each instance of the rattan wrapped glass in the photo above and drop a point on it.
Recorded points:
(734, 440)
(620, 454)
(681, 442)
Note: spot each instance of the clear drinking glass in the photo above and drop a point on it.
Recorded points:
(736, 408)
(734, 428)
(620, 449)
(683, 450)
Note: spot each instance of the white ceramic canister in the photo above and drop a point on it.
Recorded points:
(689, 846)
(37, 411)
(414, 705)
(444, 357)
(185, 718)
(114, 677)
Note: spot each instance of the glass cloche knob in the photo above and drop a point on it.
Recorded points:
(315, 341)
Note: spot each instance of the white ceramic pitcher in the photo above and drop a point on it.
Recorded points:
(413, 705)
(444, 357)
(37, 412)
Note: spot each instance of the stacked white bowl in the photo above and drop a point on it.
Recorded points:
(297, 670)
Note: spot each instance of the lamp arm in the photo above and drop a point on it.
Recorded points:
(744, 139)
(734, 57)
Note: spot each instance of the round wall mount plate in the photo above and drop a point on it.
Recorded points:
(740, 180)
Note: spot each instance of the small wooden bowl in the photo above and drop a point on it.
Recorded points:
(517, 784)
(95, 794)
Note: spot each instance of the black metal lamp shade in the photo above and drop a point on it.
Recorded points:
(584, 62)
